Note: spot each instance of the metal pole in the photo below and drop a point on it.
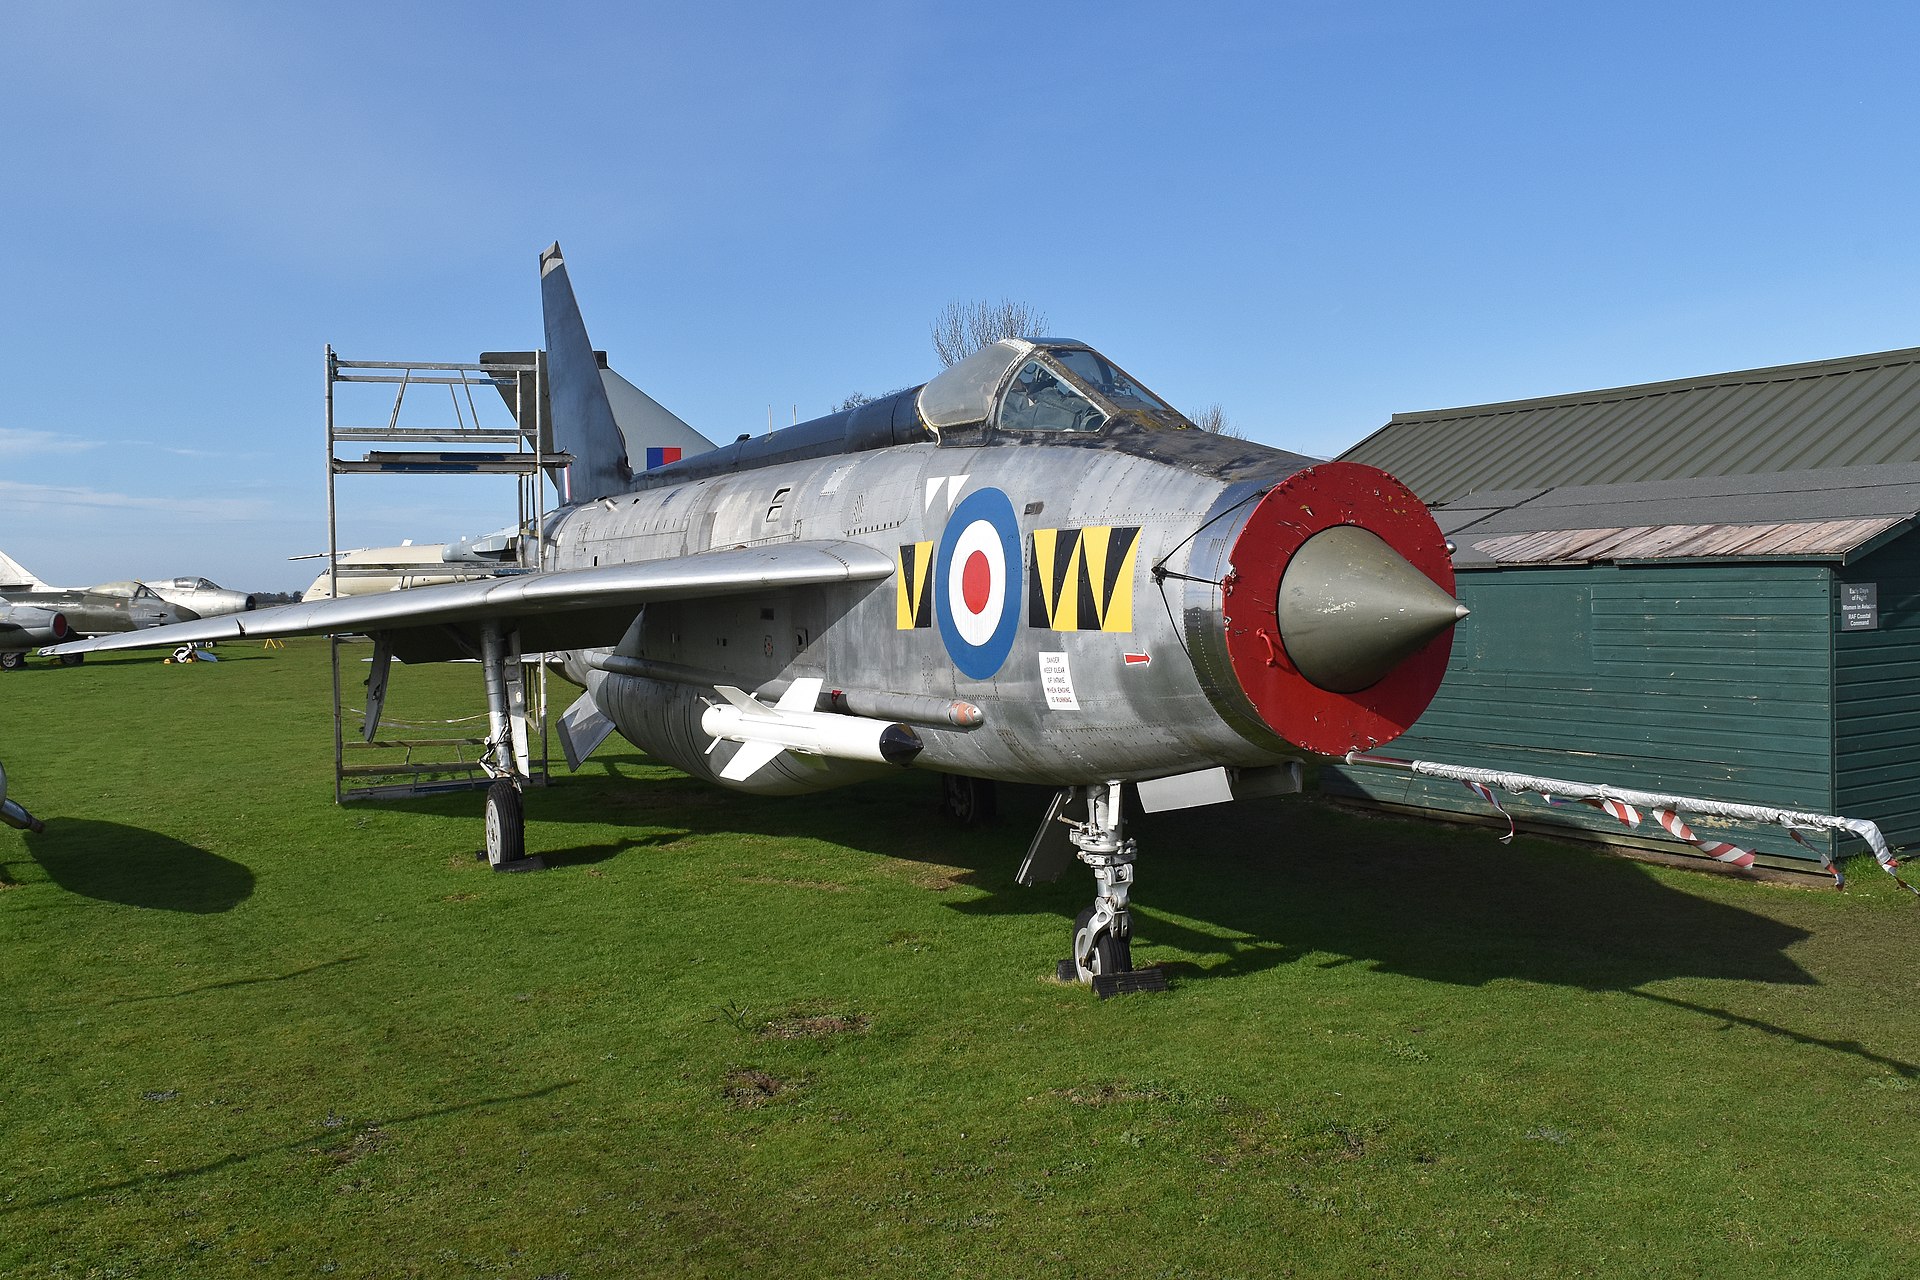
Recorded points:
(541, 429)
(333, 588)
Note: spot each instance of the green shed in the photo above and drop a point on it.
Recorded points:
(1750, 636)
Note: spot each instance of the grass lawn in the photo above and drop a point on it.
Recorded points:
(248, 1032)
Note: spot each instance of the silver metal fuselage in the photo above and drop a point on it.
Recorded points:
(103, 610)
(199, 598)
(1150, 697)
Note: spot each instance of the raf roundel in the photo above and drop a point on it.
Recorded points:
(976, 583)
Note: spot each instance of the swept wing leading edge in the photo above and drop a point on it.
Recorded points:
(709, 573)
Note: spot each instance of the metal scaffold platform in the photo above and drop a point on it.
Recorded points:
(416, 749)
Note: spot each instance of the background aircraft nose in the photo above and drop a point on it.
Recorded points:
(1339, 608)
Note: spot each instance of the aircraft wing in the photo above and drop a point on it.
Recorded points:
(576, 608)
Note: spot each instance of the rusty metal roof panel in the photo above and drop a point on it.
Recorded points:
(1851, 412)
(1801, 540)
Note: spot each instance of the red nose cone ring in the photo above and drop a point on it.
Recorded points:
(1293, 706)
(60, 628)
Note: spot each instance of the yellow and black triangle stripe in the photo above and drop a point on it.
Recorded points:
(1082, 579)
(913, 599)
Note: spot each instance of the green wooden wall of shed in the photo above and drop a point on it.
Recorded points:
(1712, 680)
(1877, 698)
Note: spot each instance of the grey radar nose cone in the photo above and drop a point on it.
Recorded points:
(1352, 609)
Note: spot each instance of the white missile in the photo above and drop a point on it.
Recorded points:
(792, 724)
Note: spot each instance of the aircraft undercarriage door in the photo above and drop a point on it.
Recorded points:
(1052, 850)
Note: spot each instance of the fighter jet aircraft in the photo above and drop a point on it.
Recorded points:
(199, 598)
(86, 611)
(1029, 569)
(24, 627)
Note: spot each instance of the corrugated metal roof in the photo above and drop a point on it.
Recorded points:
(1856, 411)
(1802, 515)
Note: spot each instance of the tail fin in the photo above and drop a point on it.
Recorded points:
(652, 431)
(655, 435)
(583, 423)
(13, 577)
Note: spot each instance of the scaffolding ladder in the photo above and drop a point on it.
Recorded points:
(445, 755)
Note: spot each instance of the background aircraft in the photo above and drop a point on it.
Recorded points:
(197, 597)
(24, 627)
(1028, 569)
(370, 570)
(107, 609)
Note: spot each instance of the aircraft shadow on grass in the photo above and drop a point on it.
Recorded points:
(1253, 886)
(137, 868)
(1270, 881)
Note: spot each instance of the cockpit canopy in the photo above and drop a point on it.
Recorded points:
(191, 584)
(1051, 384)
(127, 590)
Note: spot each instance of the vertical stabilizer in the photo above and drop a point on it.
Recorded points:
(655, 435)
(583, 423)
(14, 578)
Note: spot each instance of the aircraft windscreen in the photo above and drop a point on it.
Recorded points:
(1039, 400)
(1092, 368)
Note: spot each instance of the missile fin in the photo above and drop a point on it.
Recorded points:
(801, 695)
(750, 759)
(748, 704)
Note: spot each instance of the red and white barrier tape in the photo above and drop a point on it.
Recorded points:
(1486, 793)
(1625, 806)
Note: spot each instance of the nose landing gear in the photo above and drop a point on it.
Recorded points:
(1103, 933)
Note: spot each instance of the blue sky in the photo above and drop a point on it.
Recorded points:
(1315, 215)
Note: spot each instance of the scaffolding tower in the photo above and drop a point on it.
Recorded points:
(425, 757)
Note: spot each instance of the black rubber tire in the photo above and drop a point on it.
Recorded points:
(1110, 954)
(506, 824)
(967, 802)
(72, 659)
(13, 660)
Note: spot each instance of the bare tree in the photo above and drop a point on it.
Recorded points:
(962, 328)
(1213, 418)
(859, 398)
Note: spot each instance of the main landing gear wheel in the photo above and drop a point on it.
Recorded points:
(506, 817)
(13, 660)
(72, 659)
(506, 825)
(964, 801)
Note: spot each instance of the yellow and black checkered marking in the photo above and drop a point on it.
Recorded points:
(913, 598)
(1082, 579)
